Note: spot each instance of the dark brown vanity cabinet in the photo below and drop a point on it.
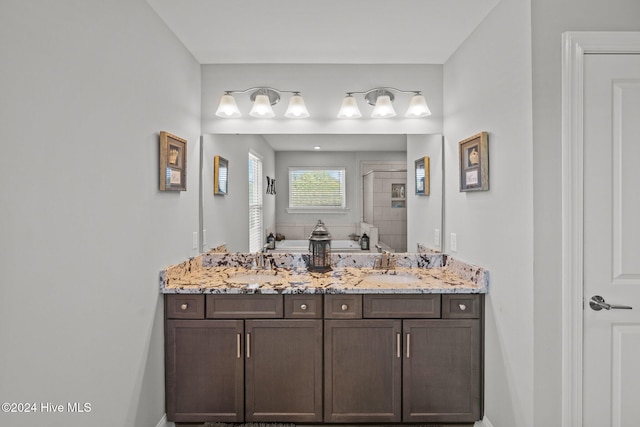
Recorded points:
(283, 370)
(441, 375)
(335, 359)
(254, 365)
(417, 367)
(204, 370)
(362, 371)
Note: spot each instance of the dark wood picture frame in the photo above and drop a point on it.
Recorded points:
(220, 176)
(173, 162)
(474, 162)
(422, 176)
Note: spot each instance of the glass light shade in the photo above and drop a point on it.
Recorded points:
(262, 107)
(296, 109)
(418, 107)
(349, 108)
(228, 107)
(383, 108)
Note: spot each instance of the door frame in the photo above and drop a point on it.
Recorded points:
(575, 45)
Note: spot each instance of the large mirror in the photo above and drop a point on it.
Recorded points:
(378, 175)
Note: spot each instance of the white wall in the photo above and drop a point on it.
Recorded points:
(323, 87)
(424, 213)
(226, 218)
(550, 19)
(86, 88)
(487, 87)
(350, 160)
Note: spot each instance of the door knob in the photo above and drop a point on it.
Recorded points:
(597, 303)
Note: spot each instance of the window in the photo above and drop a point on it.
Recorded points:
(255, 203)
(316, 188)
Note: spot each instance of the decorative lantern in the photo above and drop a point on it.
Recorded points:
(320, 248)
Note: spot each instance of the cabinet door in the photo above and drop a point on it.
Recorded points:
(441, 371)
(204, 368)
(362, 371)
(284, 370)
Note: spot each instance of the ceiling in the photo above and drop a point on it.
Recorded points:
(322, 31)
(333, 142)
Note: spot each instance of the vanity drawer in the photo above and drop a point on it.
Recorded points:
(343, 306)
(244, 306)
(181, 306)
(303, 306)
(461, 306)
(422, 306)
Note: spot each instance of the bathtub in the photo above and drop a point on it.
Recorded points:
(303, 246)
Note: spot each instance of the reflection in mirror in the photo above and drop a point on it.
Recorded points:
(220, 175)
(389, 158)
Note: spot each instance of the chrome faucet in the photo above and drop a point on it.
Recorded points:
(258, 260)
(385, 261)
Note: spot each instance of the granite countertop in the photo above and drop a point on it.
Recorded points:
(237, 277)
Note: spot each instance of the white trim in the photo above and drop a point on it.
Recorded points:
(574, 46)
(484, 423)
(164, 423)
(255, 153)
(317, 210)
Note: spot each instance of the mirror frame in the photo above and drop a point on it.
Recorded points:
(220, 179)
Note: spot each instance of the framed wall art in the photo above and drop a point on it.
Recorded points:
(220, 176)
(474, 163)
(173, 162)
(422, 176)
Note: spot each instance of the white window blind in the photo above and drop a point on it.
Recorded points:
(317, 188)
(255, 203)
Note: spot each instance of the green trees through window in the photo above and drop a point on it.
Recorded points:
(316, 188)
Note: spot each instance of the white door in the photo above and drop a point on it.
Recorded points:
(611, 341)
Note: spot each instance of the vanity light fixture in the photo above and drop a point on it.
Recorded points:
(263, 99)
(382, 100)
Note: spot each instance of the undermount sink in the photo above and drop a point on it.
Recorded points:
(392, 278)
(250, 278)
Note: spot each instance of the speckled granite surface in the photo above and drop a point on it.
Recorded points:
(235, 273)
(338, 260)
(425, 249)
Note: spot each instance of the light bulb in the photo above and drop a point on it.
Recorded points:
(349, 108)
(228, 107)
(296, 109)
(383, 108)
(418, 107)
(262, 107)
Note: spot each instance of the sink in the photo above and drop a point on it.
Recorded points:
(250, 278)
(392, 278)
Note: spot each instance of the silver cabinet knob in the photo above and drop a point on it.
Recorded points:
(344, 307)
(462, 307)
(303, 307)
(184, 306)
(597, 303)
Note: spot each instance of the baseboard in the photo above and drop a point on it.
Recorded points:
(484, 423)
(164, 423)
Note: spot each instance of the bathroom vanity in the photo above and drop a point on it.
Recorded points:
(354, 345)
